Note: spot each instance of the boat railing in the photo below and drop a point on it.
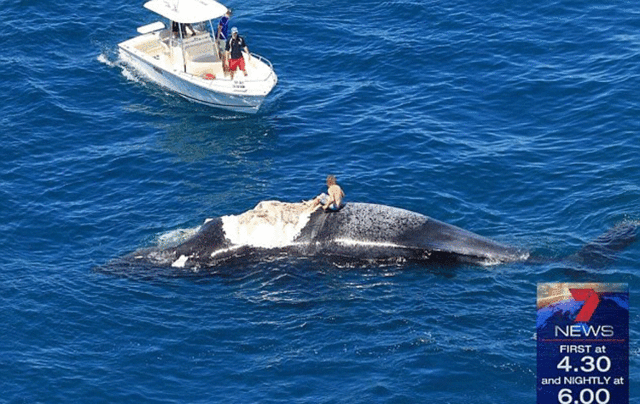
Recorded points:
(247, 79)
(265, 61)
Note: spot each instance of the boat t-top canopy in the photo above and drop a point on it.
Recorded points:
(187, 11)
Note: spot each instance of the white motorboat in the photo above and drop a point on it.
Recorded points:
(183, 57)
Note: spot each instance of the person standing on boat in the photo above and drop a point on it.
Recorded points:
(185, 29)
(222, 34)
(235, 45)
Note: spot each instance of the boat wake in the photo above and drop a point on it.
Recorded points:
(104, 59)
(114, 61)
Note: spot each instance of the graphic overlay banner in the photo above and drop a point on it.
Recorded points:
(583, 343)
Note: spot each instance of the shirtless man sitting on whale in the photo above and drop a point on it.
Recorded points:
(333, 201)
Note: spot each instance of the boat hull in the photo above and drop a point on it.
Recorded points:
(186, 86)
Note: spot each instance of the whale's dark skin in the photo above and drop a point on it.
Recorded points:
(361, 232)
(357, 232)
(382, 232)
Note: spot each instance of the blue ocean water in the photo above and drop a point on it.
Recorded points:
(516, 120)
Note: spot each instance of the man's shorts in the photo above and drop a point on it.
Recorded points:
(235, 63)
(323, 198)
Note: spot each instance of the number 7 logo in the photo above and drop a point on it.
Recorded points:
(591, 301)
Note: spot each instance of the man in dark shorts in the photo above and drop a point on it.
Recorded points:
(331, 202)
(235, 45)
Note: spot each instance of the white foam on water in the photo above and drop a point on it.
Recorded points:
(158, 257)
(102, 58)
(271, 224)
(499, 260)
(175, 237)
(130, 75)
(128, 72)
